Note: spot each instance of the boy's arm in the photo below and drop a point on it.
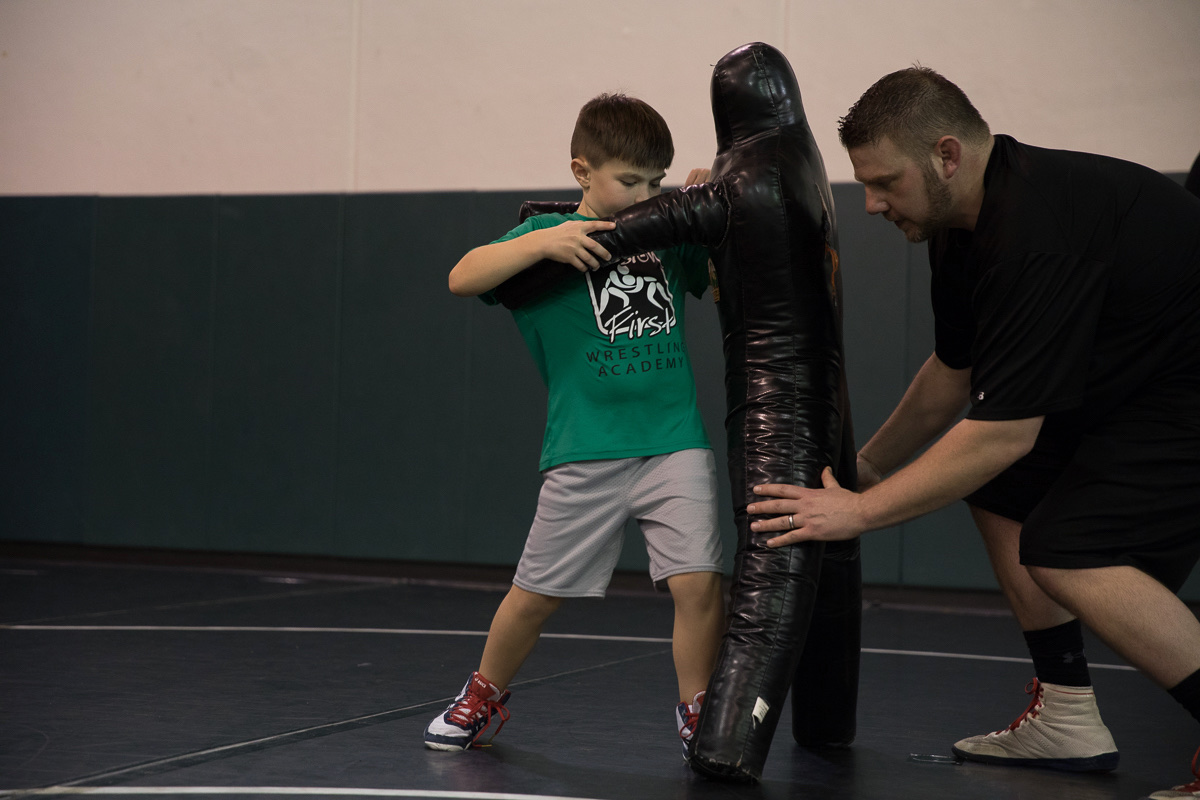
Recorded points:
(486, 267)
(701, 217)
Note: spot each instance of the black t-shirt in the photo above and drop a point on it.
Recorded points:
(1192, 182)
(1078, 290)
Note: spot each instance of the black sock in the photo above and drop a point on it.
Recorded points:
(1058, 654)
(1187, 692)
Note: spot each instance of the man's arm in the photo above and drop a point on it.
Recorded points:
(486, 267)
(968, 456)
(934, 399)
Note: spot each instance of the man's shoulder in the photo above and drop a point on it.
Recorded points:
(1053, 165)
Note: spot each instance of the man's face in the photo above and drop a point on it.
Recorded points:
(616, 185)
(908, 193)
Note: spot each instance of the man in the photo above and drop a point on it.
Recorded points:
(1066, 294)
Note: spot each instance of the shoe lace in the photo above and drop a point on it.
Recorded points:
(1194, 786)
(1031, 711)
(690, 718)
(472, 707)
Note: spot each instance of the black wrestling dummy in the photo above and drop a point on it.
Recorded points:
(766, 215)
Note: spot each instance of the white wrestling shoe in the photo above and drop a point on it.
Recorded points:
(1061, 729)
(464, 722)
(1186, 790)
(686, 717)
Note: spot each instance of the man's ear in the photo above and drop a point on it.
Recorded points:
(582, 172)
(948, 153)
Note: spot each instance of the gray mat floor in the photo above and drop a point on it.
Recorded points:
(246, 679)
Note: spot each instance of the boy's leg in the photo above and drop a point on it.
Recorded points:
(573, 544)
(514, 632)
(699, 625)
(674, 500)
(571, 549)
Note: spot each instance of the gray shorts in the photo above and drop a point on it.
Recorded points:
(576, 537)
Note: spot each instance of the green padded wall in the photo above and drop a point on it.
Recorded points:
(290, 374)
(45, 270)
(150, 372)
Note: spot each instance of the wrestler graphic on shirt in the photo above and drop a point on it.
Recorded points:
(632, 298)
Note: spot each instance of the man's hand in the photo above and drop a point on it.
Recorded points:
(570, 243)
(868, 473)
(825, 515)
(697, 175)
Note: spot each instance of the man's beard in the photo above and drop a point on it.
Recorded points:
(937, 217)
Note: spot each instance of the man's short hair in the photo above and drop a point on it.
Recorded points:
(616, 126)
(913, 108)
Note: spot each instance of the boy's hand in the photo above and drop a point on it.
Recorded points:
(570, 243)
(697, 175)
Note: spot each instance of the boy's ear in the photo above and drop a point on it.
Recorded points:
(582, 172)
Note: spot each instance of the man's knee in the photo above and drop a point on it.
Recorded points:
(994, 527)
(1048, 578)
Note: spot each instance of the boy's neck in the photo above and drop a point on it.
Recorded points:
(586, 210)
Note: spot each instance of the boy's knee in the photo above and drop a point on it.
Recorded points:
(534, 604)
(695, 587)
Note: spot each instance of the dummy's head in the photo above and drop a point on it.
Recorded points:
(753, 90)
(913, 108)
(618, 127)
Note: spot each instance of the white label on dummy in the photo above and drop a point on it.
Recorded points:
(760, 710)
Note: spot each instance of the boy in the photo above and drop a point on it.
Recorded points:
(624, 438)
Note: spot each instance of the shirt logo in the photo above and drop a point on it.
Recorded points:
(979, 397)
(632, 298)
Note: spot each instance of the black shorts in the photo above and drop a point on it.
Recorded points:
(1129, 496)
(1015, 492)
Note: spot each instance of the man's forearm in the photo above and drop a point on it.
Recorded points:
(968, 456)
(932, 402)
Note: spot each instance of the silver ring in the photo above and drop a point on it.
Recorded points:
(791, 523)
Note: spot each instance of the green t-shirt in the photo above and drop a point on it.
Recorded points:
(610, 346)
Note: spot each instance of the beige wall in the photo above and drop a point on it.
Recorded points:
(264, 96)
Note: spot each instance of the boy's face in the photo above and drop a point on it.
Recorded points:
(614, 185)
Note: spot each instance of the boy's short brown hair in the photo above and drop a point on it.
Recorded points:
(616, 126)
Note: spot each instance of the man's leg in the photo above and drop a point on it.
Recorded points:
(1062, 726)
(1135, 615)
(1033, 608)
(1145, 623)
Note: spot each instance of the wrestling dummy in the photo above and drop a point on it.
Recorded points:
(767, 217)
